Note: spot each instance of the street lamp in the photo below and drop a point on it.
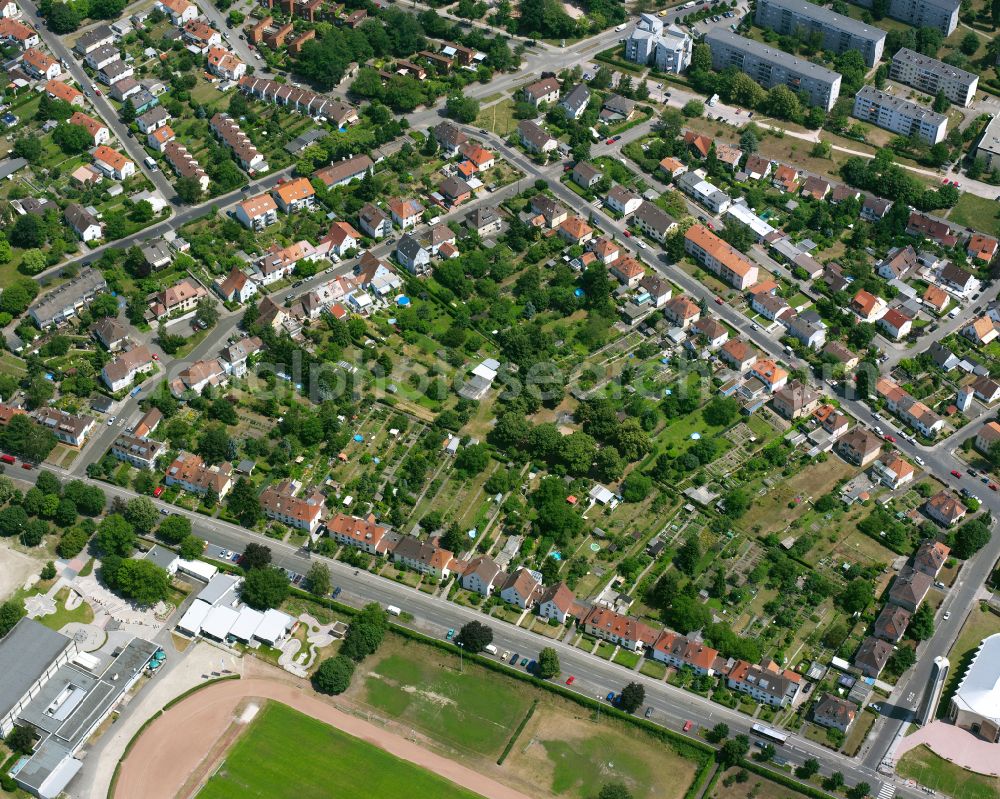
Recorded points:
(461, 657)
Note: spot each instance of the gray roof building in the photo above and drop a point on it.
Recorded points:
(839, 33)
(575, 103)
(26, 654)
(771, 67)
(931, 76)
(941, 15)
(898, 115)
(63, 302)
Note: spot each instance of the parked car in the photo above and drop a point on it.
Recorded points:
(955, 473)
(450, 635)
(687, 726)
(570, 680)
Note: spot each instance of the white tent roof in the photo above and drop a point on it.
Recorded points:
(600, 494)
(197, 568)
(219, 622)
(247, 623)
(218, 588)
(192, 620)
(273, 626)
(485, 372)
(979, 691)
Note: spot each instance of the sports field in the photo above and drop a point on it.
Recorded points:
(288, 755)
(468, 708)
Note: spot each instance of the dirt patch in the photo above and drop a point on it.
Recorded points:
(15, 569)
(567, 752)
(176, 748)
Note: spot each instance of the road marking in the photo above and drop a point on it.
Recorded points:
(887, 791)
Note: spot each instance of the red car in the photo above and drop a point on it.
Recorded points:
(97, 92)
(570, 680)
(718, 300)
(156, 357)
(26, 466)
(157, 491)
(609, 141)
(994, 487)
(955, 473)
(688, 725)
(628, 234)
(890, 439)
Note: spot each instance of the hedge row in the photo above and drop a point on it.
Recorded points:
(517, 733)
(189, 691)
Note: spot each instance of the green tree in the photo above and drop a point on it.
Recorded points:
(614, 790)
(749, 142)
(191, 547)
(11, 612)
(859, 791)
(244, 503)
(461, 108)
(632, 697)
(141, 513)
(139, 580)
(718, 733)
(333, 675)
(318, 579)
(29, 148)
(922, 624)
(72, 139)
(856, 596)
(472, 459)
(265, 588)
(366, 632)
(941, 103)
(693, 108)
(188, 190)
(687, 557)
(969, 43)
(255, 556)
(21, 740)
(115, 536)
(808, 768)
(174, 529)
(548, 663)
(475, 636)
(733, 751)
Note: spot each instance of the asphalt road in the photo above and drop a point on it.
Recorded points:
(434, 616)
(104, 108)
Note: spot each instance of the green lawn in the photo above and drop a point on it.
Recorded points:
(978, 213)
(498, 117)
(287, 754)
(469, 709)
(56, 621)
(922, 765)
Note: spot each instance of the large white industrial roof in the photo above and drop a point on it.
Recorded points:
(979, 691)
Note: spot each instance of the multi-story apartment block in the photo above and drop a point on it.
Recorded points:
(941, 15)
(771, 67)
(720, 258)
(666, 47)
(932, 76)
(140, 452)
(839, 33)
(899, 115)
(989, 145)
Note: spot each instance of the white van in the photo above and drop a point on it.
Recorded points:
(392, 610)
(150, 163)
(490, 650)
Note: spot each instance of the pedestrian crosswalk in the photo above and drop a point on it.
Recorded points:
(887, 791)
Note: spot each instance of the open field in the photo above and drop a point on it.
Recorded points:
(812, 482)
(288, 754)
(922, 765)
(469, 709)
(755, 786)
(976, 212)
(566, 753)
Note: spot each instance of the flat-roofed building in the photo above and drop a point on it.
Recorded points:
(942, 15)
(898, 115)
(989, 144)
(932, 76)
(839, 33)
(771, 67)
